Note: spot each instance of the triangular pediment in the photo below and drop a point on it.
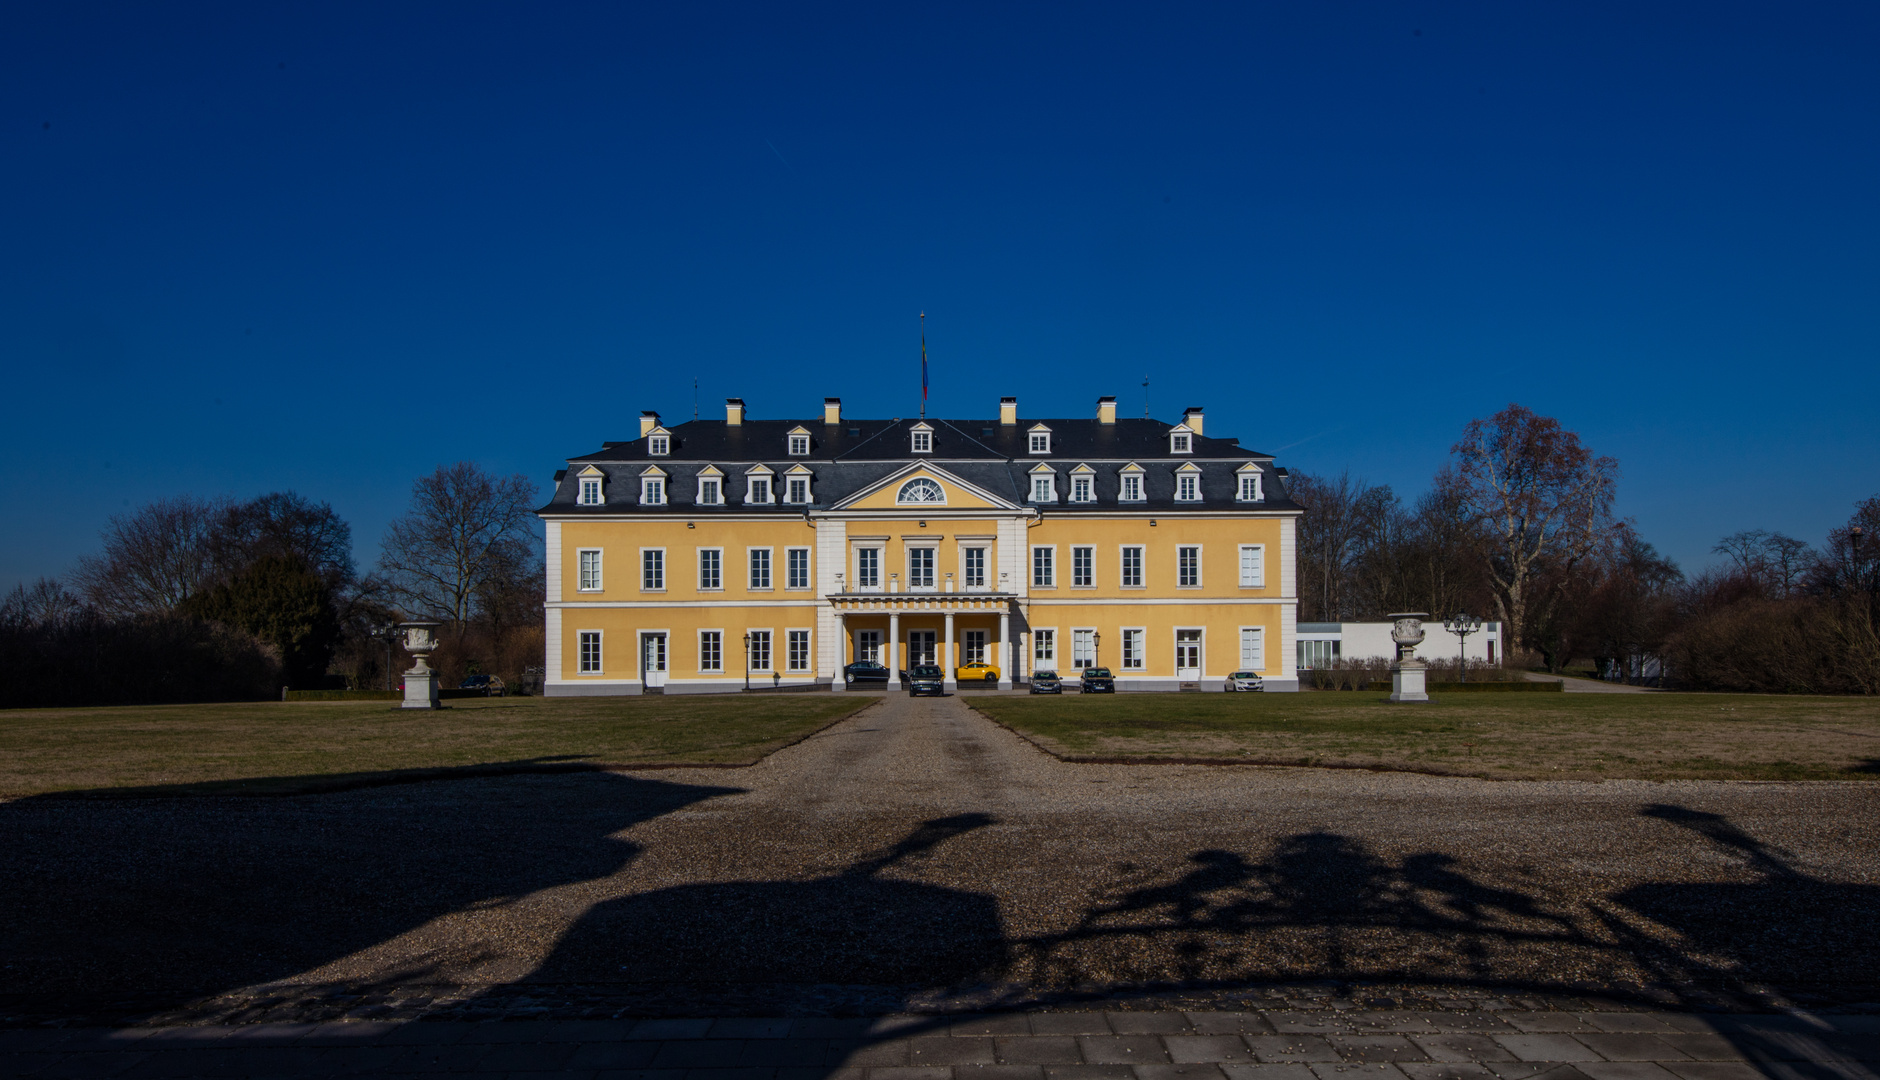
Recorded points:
(710, 470)
(1188, 467)
(956, 493)
(1083, 470)
(758, 470)
(1041, 467)
(797, 470)
(590, 471)
(652, 470)
(1248, 467)
(1131, 467)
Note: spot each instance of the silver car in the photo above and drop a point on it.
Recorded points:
(1245, 680)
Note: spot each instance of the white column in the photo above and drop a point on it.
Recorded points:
(946, 658)
(1007, 655)
(892, 648)
(842, 650)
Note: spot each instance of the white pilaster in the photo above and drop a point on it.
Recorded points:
(1007, 656)
(950, 681)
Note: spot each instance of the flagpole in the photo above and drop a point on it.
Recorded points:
(923, 365)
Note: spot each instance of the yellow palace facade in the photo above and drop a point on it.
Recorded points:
(714, 555)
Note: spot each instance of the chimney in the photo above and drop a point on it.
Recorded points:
(832, 410)
(1192, 417)
(1106, 410)
(648, 421)
(1008, 411)
(734, 411)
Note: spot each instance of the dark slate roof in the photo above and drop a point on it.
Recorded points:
(846, 457)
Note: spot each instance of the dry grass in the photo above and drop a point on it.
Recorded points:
(1515, 736)
(274, 748)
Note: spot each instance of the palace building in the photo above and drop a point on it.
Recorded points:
(713, 554)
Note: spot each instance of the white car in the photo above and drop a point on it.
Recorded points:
(1244, 680)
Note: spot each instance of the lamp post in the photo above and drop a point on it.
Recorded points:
(747, 662)
(1462, 625)
(1096, 648)
(391, 633)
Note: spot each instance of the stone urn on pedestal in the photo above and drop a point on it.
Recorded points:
(420, 681)
(1406, 672)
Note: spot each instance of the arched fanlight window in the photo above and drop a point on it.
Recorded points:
(920, 490)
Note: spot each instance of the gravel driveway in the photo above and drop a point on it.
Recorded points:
(918, 855)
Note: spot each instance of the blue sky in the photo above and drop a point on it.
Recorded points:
(328, 247)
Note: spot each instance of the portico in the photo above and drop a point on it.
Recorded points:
(945, 615)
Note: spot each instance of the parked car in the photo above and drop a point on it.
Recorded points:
(865, 673)
(1245, 680)
(1097, 680)
(926, 679)
(490, 685)
(977, 671)
(1046, 682)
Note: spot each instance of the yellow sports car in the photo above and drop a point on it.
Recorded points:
(977, 671)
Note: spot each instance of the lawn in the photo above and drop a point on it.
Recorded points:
(1511, 736)
(276, 748)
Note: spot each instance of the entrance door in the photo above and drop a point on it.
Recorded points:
(653, 660)
(868, 646)
(1188, 655)
(921, 647)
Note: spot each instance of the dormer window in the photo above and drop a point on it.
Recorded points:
(923, 442)
(590, 491)
(1180, 442)
(1043, 485)
(798, 442)
(1040, 439)
(1129, 488)
(653, 489)
(1082, 489)
(708, 491)
(796, 486)
(1249, 489)
(759, 488)
(658, 445)
(1188, 484)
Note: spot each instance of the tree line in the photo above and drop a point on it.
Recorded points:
(193, 599)
(1519, 527)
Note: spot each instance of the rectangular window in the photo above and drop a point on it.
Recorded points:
(590, 652)
(760, 650)
(1132, 650)
(1188, 567)
(711, 568)
(1040, 442)
(1252, 648)
(589, 575)
(799, 445)
(1041, 489)
(653, 569)
(708, 493)
(1132, 567)
(590, 492)
(975, 567)
(1178, 444)
(1043, 567)
(711, 650)
(1252, 566)
(658, 445)
(920, 568)
(1044, 649)
(973, 647)
(868, 568)
(1081, 489)
(653, 491)
(1083, 566)
(923, 442)
(1317, 654)
(1188, 487)
(1083, 649)
(760, 568)
(799, 490)
(868, 645)
(760, 491)
(1132, 487)
(796, 568)
(798, 656)
(1250, 487)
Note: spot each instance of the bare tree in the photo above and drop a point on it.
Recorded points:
(1339, 513)
(1772, 560)
(1543, 498)
(464, 528)
(154, 558)
(45, 601)
(284, 524)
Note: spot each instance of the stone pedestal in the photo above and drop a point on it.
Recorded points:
(1406, 674)
(420, 682)
(1406, 681)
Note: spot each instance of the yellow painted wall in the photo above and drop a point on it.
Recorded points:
(1219, 539)
(621, 627)
(947, 557)
(957, 497)
(1220, 641)
(621, 544)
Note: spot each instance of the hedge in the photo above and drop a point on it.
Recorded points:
(340, 695)
(1485, 687)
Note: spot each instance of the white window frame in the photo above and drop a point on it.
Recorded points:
(1050, 566)
(1044, 648)
(591, 494)
(1122, 566)
(658, 445)
(1258, 635)
(860, 578)
(795, 659)
(1038, 440)
(1188, 487)
(652, 491)
(967, 580)
(1249, 480)
(1083, 488)
(1256, 579)
(718, 491)
(651, 572)
(791, 492)
(1139, 635)
(789, 570)
(1089, 567)
(1197, 582)
(974, 644)
(1080, 637)
(1201, 648)
(1181, 442)
(1050, 479)
(920, 441)
(581, 582)
(717, 581)
(1128, 480)
(703, 666)
(900, 494)
(769, 640)
(799, 446)
(581, 639)
(933, 567)
(769, 564)
(752, 495)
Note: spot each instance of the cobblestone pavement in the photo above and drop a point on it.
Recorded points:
(918, 859)
(1282, 1045)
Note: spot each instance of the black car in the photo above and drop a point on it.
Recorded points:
(1046, 682)
(1096, 680)
(488, 685)
(865, 673)
(926, 679)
